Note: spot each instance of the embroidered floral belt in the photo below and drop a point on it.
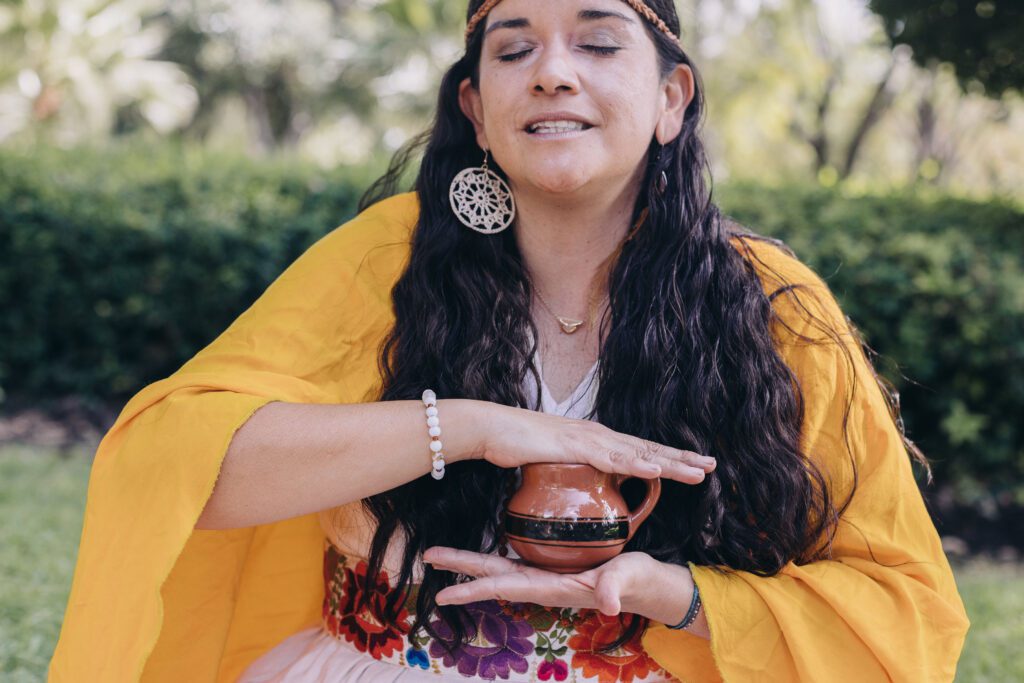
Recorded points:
(510, 641)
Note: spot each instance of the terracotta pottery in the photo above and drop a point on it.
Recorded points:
(570, 518)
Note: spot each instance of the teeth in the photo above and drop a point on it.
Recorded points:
(556, 126)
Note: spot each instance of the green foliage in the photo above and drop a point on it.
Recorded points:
(118, 266)
(982, 40)
(937, 287)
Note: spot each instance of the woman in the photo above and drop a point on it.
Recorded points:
(272, 510)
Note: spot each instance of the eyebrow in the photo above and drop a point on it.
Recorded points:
(584, 15)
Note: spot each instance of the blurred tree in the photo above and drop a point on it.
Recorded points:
(814, 89)
(835, 54)
(69, 68)
(815, 73)
(797, 89)
(297, 64)
(982, 40)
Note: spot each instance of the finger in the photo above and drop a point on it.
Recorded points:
(510, 587)
(690, 467)
(682, 465)
(647, 459)
(465, 593)
(625, 460)
(608, 593)
(686, 474)
(468, 562)
(706, 463)
(666, 455)
(541, 588)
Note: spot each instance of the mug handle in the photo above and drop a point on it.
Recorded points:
(646, 507)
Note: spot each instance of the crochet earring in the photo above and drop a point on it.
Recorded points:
(481, 200)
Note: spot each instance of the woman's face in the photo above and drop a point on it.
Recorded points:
(588, 61)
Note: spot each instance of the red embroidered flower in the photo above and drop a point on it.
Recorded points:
(625, 663)
(362, 626)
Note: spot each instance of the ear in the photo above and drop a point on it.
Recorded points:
(472, 107)
(677, 92)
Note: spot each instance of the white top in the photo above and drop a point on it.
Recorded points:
(315, 655)
(577, 404)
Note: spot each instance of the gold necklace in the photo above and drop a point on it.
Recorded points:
(568, 325)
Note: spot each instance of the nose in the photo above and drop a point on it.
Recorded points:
(554, 71)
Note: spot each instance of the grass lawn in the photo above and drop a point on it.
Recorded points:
(42, 496)
(994, 595)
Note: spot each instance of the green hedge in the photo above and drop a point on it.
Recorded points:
(116, 266)
(937, 287)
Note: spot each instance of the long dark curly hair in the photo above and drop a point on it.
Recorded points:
(687, 360)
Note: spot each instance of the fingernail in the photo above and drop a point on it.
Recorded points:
(707, 460)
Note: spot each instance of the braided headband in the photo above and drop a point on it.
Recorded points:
(641, 9)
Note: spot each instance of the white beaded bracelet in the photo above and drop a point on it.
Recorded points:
(434, 429)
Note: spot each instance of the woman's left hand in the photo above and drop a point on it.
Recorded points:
(613, 587)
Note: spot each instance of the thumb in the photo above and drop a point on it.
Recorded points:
(606, 593)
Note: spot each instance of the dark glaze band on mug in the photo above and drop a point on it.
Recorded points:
(579, 530)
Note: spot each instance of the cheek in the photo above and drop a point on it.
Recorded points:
(494, 104)
(629, 106)
(631, 119)
(500, 116)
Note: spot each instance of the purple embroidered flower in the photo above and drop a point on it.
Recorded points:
(497, 643)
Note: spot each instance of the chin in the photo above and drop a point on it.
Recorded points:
(565, 181)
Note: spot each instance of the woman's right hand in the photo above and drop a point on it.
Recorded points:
(516, 436)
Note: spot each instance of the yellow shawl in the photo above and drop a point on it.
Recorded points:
(154, 599)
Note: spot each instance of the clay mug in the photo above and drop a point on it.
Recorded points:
(568, 518)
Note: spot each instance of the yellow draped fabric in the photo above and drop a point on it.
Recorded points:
(154, 599)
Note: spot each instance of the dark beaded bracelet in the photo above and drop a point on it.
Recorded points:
(691, 614)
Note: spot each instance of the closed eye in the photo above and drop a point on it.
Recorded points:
(599, 49)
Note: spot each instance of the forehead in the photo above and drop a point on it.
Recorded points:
(512, 14)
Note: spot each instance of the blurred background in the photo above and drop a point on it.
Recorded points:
(161, 162)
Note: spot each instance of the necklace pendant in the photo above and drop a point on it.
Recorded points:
(569, 325)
